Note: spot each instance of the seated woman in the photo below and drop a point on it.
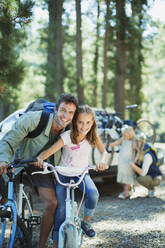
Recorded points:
(149, 174)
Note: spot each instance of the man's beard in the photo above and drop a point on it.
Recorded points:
(58, 122)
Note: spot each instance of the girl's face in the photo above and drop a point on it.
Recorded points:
(127, 136)
(84, 123)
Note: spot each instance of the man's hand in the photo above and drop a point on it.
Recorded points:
(3, 167)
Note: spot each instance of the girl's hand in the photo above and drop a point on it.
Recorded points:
(132, 165)
(101, 166)
(39, 163)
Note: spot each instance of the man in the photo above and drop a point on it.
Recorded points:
(65, 108)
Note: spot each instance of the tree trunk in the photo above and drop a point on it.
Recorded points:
(1, 109)
(106, 43)
(54, 83)
(79, 72)
(96, 57)
(135, 57)
(120, 58)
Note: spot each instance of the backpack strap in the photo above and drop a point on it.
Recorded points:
(41, 125)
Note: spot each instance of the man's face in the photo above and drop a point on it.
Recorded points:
(64, 114)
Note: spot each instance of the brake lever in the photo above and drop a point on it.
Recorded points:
(45, 169)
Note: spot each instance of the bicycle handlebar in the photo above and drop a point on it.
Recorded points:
(22, 163)
(49, 168)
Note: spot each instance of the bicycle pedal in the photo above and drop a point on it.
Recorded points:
(34, 220)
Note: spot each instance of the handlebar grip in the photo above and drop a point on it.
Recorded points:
(28, 161)
(19, 162)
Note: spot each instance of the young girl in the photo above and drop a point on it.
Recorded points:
(125, 175)
(149, 174)
(76, 145)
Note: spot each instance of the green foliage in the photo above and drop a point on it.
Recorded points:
(154, 90)
(13, 15)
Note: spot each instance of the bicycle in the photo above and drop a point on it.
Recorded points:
(70, 232)
(110, 129)
(17, 218)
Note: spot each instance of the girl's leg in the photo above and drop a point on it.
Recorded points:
(92, 197)
(127, 188)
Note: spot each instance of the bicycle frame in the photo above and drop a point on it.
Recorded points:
(12, 205)
(21, 196)
(70, 219)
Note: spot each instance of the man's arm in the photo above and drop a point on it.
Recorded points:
(10, 142)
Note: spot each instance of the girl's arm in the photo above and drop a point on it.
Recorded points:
(117, 142)
(47, 153)
(104, 154)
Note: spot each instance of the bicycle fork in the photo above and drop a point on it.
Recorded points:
(70, 220)
(11, 204)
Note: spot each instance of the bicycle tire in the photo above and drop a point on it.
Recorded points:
(22, 238)
(69, 239)
(109, 149)
(146, 127)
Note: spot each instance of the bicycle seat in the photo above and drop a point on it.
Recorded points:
(131, 106)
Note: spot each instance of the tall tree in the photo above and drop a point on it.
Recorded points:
(96, 56)
(79, 72)
(54, 74)
(120, 57)
(135, 54)
(13, 16)
(106, 44)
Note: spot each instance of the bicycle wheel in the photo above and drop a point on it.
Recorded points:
(22, 237)
(146, 127)
(69, 237)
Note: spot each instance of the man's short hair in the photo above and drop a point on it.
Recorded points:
(66, 98)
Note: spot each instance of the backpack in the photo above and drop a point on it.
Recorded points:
(47, 107)
(158, 153)
(39, 104)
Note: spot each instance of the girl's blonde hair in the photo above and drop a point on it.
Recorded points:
(129, 130)
(140, 141)
(92, 134)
